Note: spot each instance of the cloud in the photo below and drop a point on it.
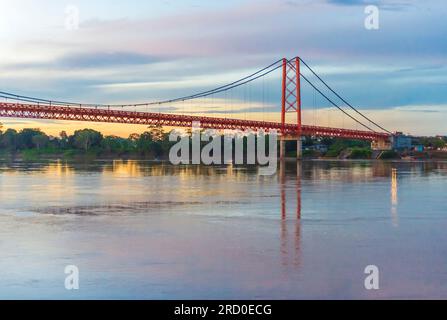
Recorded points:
(384, 4)
(354, 2)
(104, 59)
(87, 60)
(129, 57)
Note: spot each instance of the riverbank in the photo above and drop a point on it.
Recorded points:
(348, 154)
(71, 155)
(88, 144)
(29, 156)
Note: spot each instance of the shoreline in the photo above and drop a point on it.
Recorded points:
(89, 158)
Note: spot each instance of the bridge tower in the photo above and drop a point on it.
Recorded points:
(291, 102)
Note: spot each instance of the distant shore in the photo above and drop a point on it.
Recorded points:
(33, 144)
(33, 155)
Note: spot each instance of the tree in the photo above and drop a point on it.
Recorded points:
(433, 142)
(40, 140)
(308, 141)
(360, 153)
(116, 144)
(144, 142)
(133, 139)
(87, 138)
(9, 139)
(157, 132)
(25, 138)
(63, 139)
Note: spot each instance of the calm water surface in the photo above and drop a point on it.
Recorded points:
(154, 231)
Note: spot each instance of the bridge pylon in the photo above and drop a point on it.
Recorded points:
(291, 102)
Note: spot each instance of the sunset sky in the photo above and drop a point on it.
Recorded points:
(133, 51)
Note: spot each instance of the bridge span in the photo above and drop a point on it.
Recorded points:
(17, 106)
(34, 111)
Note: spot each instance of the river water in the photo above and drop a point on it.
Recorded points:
(147, 230)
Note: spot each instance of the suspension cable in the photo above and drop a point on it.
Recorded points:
(252, 77)
(328, 99)
(247, 79)
(342, 99)
(335, 105)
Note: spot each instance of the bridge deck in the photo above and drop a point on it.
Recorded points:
(34, 111)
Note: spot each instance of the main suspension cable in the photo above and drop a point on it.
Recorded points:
(247, 79)
(342, 99)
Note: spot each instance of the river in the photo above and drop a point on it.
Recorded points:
(150, 230)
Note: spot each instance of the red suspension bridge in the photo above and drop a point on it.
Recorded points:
(18, 106)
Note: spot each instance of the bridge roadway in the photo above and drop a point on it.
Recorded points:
(42, 111)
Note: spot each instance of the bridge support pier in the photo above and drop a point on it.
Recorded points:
(282, 147)
(381, 144)
(299, 149)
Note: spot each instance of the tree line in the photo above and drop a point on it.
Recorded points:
(153, 142)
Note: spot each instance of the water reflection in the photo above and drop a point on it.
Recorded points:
(297, 217)
(394, 187)
(59, 168)
(311, 170)
(394, 200)
(159, 231)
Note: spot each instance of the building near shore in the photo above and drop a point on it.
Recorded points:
(401, 142)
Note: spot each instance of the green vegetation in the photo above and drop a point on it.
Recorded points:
(30, 144)
(390, 154)
(360, 149)
(331, 148)
(306, 154)
(433, 142)
(360, 153)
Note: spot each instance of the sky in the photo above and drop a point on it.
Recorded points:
(138, 51)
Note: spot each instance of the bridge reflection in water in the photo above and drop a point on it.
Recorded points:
(394, 199)
(285, 245)
(289, 216)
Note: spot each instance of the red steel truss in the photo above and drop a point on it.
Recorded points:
(291, 92)
(34, 111)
